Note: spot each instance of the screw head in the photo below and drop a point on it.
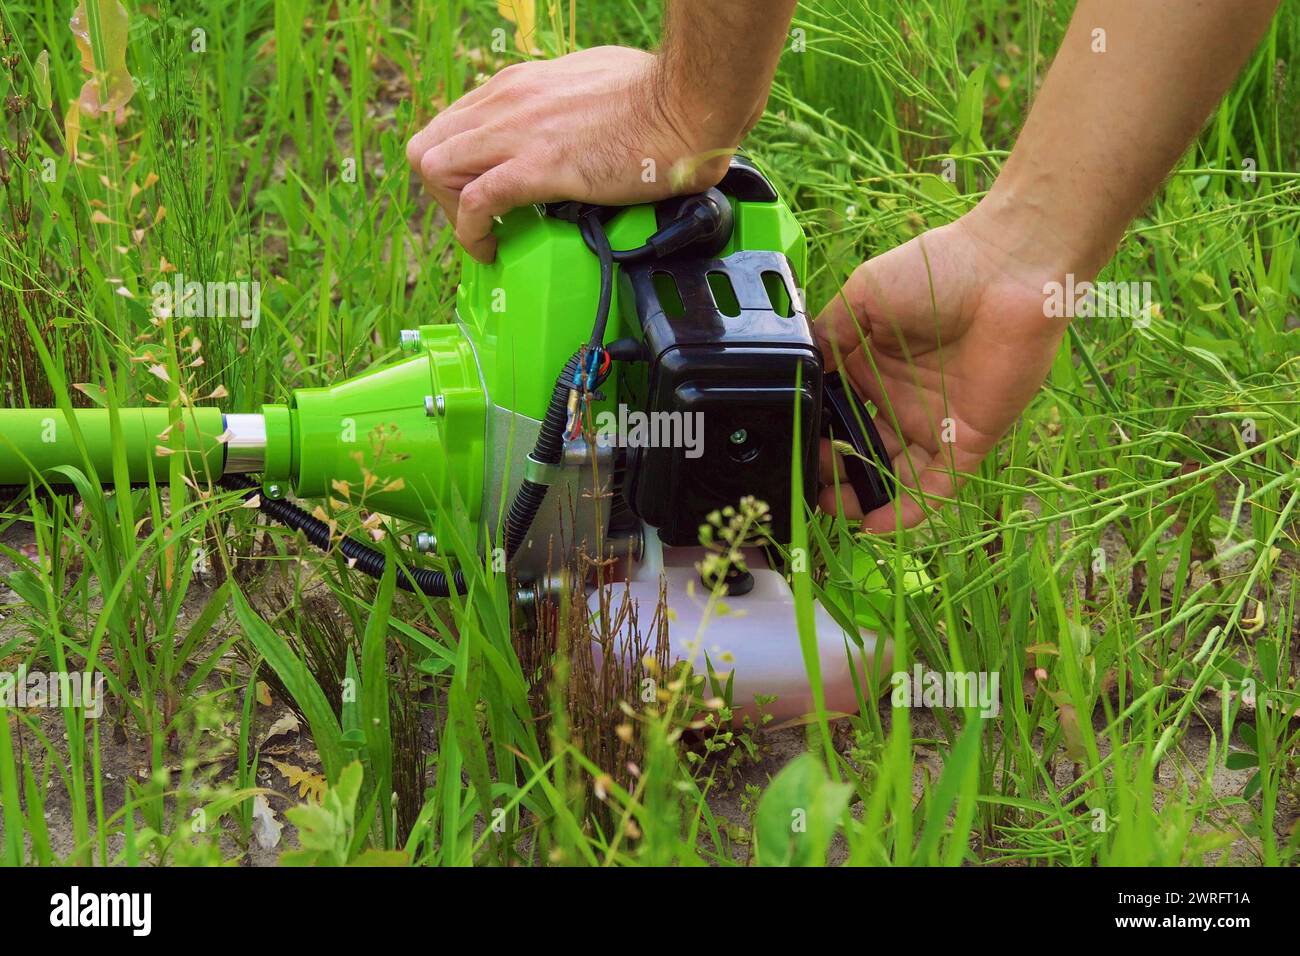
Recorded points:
(435, 405)
(426, 541)
(273, 491)
(410, 340)
(739, 436)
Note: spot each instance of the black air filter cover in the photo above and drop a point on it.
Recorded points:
(729, 345)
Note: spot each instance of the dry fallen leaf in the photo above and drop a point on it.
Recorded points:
(266, 828)
(310, 785)
(288, 724)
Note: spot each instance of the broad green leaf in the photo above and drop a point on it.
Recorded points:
(798, 814)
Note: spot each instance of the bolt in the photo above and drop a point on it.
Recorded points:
(273, 491)
(739, 436)
(435, 405)
(410, 340)
(425, 541)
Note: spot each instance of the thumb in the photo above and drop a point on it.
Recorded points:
(841, 327)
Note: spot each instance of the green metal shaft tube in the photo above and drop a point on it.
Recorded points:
(34, 440)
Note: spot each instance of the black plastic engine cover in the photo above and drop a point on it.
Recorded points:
(727, 342)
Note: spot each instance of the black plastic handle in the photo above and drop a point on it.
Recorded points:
(844, 418)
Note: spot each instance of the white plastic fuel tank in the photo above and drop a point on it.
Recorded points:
(757, 638)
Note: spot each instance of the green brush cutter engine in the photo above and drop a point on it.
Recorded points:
(615, 377)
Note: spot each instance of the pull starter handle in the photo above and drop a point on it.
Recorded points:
(844, 418)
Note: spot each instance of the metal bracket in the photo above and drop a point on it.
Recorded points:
(540, 473)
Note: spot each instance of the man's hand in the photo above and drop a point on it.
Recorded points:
(595, 126)
(610, 125)
(956, 345)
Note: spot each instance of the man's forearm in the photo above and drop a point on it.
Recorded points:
(717, 62)
(1131, 86)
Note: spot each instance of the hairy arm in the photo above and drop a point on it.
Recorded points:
(717, 61)
(1131, 85)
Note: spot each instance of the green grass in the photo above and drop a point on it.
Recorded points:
(1126, 538)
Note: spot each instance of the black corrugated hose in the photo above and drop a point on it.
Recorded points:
(548, 450)
(363, 557)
